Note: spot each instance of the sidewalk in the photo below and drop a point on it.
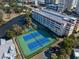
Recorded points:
(17, 48)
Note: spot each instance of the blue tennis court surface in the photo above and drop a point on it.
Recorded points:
(43, 41)
(38, 43)
(34, 45)
(30, 36)
(34, 41)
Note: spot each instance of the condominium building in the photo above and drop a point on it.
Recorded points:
(7, 49)
(74, 4)
(66, 4)
(77, 7)
(36, 2)
(57, 7)
(56, 1)
(77, 26)
(76, 54)
(52, 1)
(56, 22)
(48, 1)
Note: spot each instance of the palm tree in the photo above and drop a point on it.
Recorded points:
(15, 7)
(10, 33)
(68, 51)
(7, 9)
(62, 52)
(17, 29)
(67, 56)
(1, 5)
(1, 18)
(54, 56)
(28, 15)
(61, 57)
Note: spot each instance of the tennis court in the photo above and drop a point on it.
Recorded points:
(34, 42)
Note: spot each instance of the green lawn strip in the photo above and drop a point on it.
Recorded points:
(22, 45)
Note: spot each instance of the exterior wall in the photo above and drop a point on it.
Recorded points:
(71, 29)
(76, 53)
(53, 7)
(69, 4)
(77, 7)
(36, 2)
(37, 25)
(7, 50)
(77, 26)
(74, 4)
(52, 25)
(48, 1)
(66, 4)
(57, 27)
(57, 1)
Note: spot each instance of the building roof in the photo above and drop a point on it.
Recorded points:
(76, 52)
(60, 15)
(56, 16)
(4, 47)
(51, 16)
(2, 41)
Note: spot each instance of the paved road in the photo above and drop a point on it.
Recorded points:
(17, 20)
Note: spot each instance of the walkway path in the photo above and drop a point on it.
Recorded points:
(17, 48)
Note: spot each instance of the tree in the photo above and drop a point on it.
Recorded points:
(18, 9)
(14, 5)
(7, 8)
(66, 47)
(62, 52)
(64, 56)
(69, 41)
(10, 33)
(67, 56)
(54, 56)
(61, 57)
(68, 50)
(1, 16)
(1, 5)
(28, 12)
(78, 37)
(17, 29)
